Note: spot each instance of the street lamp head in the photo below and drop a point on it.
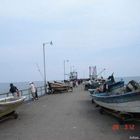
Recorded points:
(47, 43)
(51, 43)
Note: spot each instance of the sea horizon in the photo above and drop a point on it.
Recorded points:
(4, 86)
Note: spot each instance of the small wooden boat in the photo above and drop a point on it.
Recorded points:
(9, 104)
(58, 87)
(59, 83)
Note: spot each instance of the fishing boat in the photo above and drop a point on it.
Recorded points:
(126, 101)
(9, 104)
(58, 87)
(115, 87)
(92, 84)
(112, 88)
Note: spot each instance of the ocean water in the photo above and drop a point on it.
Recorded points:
(4, 87)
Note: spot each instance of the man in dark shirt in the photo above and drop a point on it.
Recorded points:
(14, 90)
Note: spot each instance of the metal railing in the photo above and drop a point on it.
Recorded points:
(26, 92)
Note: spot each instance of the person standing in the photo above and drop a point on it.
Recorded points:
(14, 90)
(76, 83)
(33, 91)
(71, 85)
(36, 95)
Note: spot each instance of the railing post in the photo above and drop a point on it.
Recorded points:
(41, 91)
(21, 93)
(29, 94)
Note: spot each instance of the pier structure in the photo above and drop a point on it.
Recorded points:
(63, 116)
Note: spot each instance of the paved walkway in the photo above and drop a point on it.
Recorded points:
(66, 116)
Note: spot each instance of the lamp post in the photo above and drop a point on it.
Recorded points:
(44, 61)
(65, 69)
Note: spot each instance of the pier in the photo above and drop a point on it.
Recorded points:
(64, 116)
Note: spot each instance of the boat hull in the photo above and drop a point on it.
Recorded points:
(131, 107)
(128, 102)
(9, 104)
(59, 87)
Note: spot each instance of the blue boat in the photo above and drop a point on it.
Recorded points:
(113, 88)
(127, 101)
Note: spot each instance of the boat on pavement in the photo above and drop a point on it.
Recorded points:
(58, 87)
(127, 100)
(10, 104)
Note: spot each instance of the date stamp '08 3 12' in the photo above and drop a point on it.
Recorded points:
(130, 127)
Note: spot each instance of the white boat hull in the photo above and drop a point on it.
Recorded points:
(9, 104)
(132, 107)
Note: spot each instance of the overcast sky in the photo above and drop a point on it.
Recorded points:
(105, 33)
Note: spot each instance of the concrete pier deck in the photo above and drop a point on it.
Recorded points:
(65, 116)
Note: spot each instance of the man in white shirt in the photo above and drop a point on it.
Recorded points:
(33, 90)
